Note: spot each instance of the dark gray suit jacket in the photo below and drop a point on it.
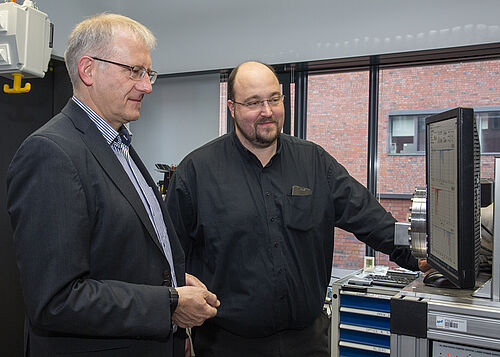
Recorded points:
(91, 265)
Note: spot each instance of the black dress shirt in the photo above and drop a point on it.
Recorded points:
(261, 238)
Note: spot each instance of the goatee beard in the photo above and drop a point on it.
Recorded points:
(256, 139)
(265, 141)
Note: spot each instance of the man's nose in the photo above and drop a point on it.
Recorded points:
(266, 109)
(144, 85)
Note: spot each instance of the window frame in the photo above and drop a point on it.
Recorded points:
(414, 113)
(493, 108)
(426, 112)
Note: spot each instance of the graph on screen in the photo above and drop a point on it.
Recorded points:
(443, 190)
(452, 159)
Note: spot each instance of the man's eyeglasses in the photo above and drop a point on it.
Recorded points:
(257, 104)
(136, 72)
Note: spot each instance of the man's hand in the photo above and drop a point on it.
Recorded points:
(195, 305)
(423, 265)
(191, 280)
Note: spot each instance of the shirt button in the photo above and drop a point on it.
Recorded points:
(268, 194)
(272, 219)
(275, 244)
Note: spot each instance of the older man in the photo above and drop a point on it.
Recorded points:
(101, 267)
(255, 211)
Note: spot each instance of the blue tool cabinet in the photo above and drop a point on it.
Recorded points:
(360, 321)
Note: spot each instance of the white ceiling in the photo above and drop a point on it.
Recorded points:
(196, 35)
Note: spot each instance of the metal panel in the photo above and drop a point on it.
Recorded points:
(472, 325)
(495, 287)
(407, 346)
(464, 339)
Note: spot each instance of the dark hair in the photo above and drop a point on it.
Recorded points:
(234, 72)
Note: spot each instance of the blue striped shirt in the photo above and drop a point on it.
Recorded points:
(144, 191)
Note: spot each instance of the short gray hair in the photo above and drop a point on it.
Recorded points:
(94, 37)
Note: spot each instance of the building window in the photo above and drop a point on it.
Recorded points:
(489, 131)
(337, 119)
(223, 108)
(407, 132)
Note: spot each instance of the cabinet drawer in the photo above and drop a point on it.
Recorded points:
(372, 321)
(367, 303)
(365, 338)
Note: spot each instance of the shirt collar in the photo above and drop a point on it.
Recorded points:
(125, 136)
(109, 133)
(248, 153)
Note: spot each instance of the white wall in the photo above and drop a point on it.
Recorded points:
(194, 35)
(177, 117)
(199, 35)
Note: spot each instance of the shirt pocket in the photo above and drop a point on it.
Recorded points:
(298, 212)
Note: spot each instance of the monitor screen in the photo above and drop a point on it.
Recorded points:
(453, 195)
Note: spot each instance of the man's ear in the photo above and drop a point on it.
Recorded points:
(86, 66)
(230, 105)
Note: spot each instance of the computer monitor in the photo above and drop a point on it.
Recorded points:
(453, 195)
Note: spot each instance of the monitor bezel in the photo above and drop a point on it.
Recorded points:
(465, 275)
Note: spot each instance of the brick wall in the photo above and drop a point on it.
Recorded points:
(468, 84)
(349, 251)
(400, 211)
(337, 118)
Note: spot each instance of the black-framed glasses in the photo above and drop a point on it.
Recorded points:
(136, 72)
(274, 101)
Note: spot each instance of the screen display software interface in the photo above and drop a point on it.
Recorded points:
(443, 194)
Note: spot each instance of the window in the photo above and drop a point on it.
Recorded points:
(407, 131)
(407, 96)
(337, 119)
(488, 123)
(223, 108)
(407, 134)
